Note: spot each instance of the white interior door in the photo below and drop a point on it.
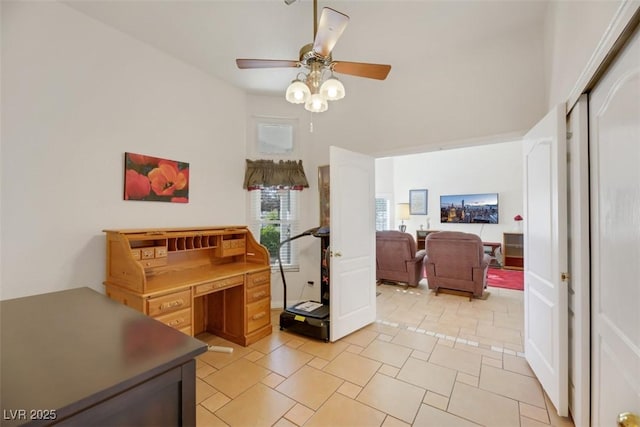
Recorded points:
(545, 255)
(352, 268)
(614, 138)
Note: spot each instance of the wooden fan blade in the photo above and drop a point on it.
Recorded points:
(265, 63)
(362, 69)
(332, 24)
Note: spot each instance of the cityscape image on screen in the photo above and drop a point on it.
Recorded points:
(469, 208)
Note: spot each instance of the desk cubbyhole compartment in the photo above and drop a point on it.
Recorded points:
(197, 242)
(181, 243)
(172, 244)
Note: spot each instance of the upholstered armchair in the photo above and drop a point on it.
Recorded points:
(397, 259)
(456, 261)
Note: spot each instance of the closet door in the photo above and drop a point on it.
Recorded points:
(614, 148)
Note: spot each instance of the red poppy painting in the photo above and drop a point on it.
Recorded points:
(155, 179)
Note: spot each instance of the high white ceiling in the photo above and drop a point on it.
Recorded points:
(409, 35)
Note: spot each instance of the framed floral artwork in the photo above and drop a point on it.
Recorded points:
(154, 179)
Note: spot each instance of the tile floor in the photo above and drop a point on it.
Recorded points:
(427, 361)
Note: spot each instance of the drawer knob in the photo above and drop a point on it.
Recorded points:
(172, 304)
(175, 322)
(259, 315)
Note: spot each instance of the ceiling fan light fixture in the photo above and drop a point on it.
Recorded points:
(298, 92)
(332, 89)
(316, 103)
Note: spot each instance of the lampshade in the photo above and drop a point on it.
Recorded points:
(298, 92)
(402, 211)
(316, 103)
(332, 89)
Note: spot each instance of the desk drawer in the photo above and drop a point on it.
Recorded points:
(168, 303)
(219, 284)
(258, 315)
(258, 293)
(258, 279)
(178, 320)
(153, 262)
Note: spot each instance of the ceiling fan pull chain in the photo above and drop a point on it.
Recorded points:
(310, 122)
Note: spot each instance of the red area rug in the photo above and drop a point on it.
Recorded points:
(508, 279)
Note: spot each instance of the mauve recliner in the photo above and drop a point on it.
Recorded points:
(397, 259)
(456, 261)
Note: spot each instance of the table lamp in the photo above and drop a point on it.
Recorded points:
(402, 212)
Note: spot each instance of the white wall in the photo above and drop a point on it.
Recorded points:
(75, 96)
(573, 30)
(494, 168)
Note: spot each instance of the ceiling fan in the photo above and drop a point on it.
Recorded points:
(317, 84)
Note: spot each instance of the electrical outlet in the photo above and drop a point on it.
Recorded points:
(310, 282)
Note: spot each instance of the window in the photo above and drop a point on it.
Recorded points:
(274, 218)
(382, 214)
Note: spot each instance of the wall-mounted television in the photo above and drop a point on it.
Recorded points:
(469, 208)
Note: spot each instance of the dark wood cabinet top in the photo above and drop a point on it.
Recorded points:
(68, 350)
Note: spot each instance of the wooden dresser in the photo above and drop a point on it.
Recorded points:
(201, 279)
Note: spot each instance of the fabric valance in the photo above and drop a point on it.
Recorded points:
(267, 173)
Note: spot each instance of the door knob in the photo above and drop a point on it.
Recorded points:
(336, 254)
(628, 419)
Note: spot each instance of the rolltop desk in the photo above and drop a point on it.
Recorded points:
(201, 279)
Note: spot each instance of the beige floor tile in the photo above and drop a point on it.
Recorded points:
(283, 422)
(517, 364)
(270, 342)
(534, 412)
(220, 360)
(350, 390)
(215, 402)
(318, 363)
(273, 380)
(428, 376)
(483, 407)
(356, 349)
(388, 353)
(468, 379)
(204, 418)
(339, 410)
(396, 398)
(490, 361)
(473, 312)
(258, 406)
(385, 337)
(388, 370)
(381, 328)
(430, 416)
(203, 390)
(509, 384)
(453, 358)
(204, 370)
(285, 360)
(459, 320)
(394, 422)
(237, 377)
(436, 400)
(299, 414)
(485, 352)
(440, 328)
(324, 350)
(361, 337)
(253, 356)
(416, 341)
(421, 355)
(500, 334)
(353, 368)
(310, 386)
(528, 422)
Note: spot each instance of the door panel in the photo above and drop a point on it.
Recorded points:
(614, 143)
(352, 270)
(545, 247)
